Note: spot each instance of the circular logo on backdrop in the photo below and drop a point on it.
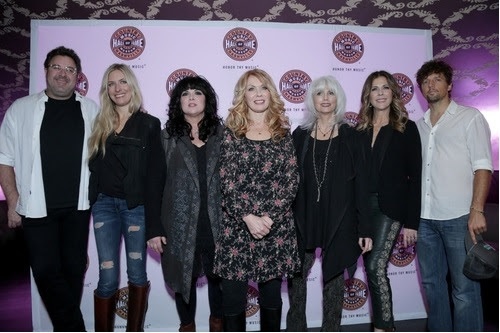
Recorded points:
(352, 118)
(355, 294)
(82, 84)
(407, 88)
(127, 43)
(252, 301)
(347, 47)
(122, 302)
(240, 44)
(402, 256)
(176, 76)
(294, 85)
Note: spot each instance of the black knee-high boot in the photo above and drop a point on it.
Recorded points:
(270, 319)
(235, 323)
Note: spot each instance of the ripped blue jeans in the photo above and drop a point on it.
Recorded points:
(112, 220)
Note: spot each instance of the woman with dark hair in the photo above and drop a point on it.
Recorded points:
(392, 158)
(191, 206)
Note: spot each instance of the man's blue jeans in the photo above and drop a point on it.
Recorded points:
(111, 220)
(441, 250)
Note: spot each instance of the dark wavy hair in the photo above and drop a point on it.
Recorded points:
(63, 51)
(398, 115)
(177, 125)
(434, 67)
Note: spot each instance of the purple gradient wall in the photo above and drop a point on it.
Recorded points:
(465, 33)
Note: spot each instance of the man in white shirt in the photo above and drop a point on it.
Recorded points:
(456, 174)
(45, 179)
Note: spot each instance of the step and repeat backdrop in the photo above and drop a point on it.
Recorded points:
(163, 52)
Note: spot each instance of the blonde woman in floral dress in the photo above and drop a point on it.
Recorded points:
(259, 180)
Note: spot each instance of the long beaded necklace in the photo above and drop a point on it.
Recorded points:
(320, 183)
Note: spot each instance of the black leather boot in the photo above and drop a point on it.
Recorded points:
(235, 323)
(270, 319)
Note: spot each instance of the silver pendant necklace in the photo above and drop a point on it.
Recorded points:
(320, 183)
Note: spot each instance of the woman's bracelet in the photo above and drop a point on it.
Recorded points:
(477, 210)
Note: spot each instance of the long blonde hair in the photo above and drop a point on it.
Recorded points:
(237, 120)
(107, 119)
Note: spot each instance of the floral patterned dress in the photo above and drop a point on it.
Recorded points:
(260, 178)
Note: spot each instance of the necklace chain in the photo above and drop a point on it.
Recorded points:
(320, 183)
(324, 133)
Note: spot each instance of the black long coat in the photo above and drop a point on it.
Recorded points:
(347, 210)
(181, 206)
